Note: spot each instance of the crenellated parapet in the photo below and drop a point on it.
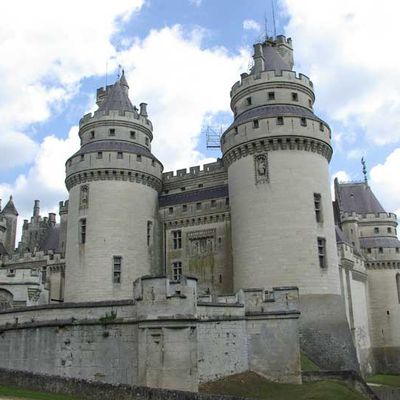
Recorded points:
(195, 171)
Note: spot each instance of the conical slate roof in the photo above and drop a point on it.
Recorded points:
(9, 208)
(273, 61)
(359, 198)
(117, 98)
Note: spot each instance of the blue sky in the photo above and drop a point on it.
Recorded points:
(182, 57)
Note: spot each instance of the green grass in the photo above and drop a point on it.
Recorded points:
(307, 364)
(252, 385)
(27, 394)
(388, 380)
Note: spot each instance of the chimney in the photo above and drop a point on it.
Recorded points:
(143, 109)
(52, 219)
(36, 208)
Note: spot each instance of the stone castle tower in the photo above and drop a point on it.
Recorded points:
(8, 226)
(277, 152)
(116, 170)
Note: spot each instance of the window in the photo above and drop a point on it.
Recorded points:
(236, 131)
(310, 103)
(183, 189)
(120, 155)
(303, 121)
(380, 249)
(389, 230)
(271, 95)
(369, 250)
(255, 123)
(321, 126)
(318, 207)
(146, 140)
(295, 97)
(149, 230)
(176, 270)
(82, 157)
(198, 206)
(11, 272)
(117, 262)
(111, 132)
(99, 155)
(153, 163)
(177, 239)
(398, 286)
(279, 120)
(397, 249)
(213, 203)
(184, 207)
(322, 252)
(248, 101)
(82, 226)
(139, 158)
(376, 230)
(200, 185)
(227, 201)
(92, 135)
(133, 135)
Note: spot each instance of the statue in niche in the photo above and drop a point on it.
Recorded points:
(84, 196)
(261, 168)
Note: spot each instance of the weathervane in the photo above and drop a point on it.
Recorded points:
(364, 170)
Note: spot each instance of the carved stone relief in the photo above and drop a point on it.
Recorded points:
(84, 197)
(201, 243)
(261, 168)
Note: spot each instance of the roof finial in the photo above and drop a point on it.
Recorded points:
(364, 170)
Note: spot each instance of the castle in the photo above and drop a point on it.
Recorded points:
(172, 279)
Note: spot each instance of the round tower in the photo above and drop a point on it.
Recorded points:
(113, 183)
(277, 152)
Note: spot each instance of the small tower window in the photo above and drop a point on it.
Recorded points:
(120, 155)
(139, 158)
(310, 103)
(321, 126)
(177, 239)
(279, 120)
(369, 250)
(303, 121)
(295, 96)
(82, 229)
(82, 157)
(255, 123)
(92, 135)
(321, 242)
(213, 203)
(389, 230)
(153, 163)
(170, 210)
(184, 207)
(176, 270)
(149, 231)
(248, 101)
(380, 249)
(236, 131)
(111, 132)
(397, 249)
(99, 155)
(117, 264)
(147, 141)
(133, 135)
(376, 230)
(271, 95)
(318, 207)
(198, 206)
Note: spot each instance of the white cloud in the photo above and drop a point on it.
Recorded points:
(385, 180)
(348, 48)
(251, 25)
(183, 84)
(45, 51)
(197, 3)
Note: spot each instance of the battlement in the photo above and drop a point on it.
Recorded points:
(48, 256)
(63, 207)
(195, 171)
(391, 217)
(160, 298)
(126, 115)
(248, 80)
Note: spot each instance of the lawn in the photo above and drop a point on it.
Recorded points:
(27, 394)
(252, 385)
(387, 380)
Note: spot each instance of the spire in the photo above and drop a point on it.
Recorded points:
(10, 208)
(122, 80)
(364, 170)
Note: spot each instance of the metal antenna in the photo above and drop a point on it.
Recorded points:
(273, 17)
(265, 26)
(364, 170)
(106, 72)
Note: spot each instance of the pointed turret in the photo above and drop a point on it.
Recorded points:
(9, 208)
(123, 81)
(10, 216)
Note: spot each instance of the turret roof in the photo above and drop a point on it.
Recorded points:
(359, 198)
(117, 98)
(9, 208)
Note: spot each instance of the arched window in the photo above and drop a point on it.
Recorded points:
(6, 299)
(398, 286)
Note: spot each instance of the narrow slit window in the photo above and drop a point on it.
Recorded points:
(256, 123)
(318, 207)
(176, 270)
(279, 120)
(92, 135)
(303, 121)
(117, 264)
(321, 126)
(139, 158)
(321, 242)
(82, 228)
(248, 101)
(177, 239)
(99, 155)
(295, 96)
(120, 155)
(149, 232)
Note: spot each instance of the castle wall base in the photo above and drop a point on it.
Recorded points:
(387, 359)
